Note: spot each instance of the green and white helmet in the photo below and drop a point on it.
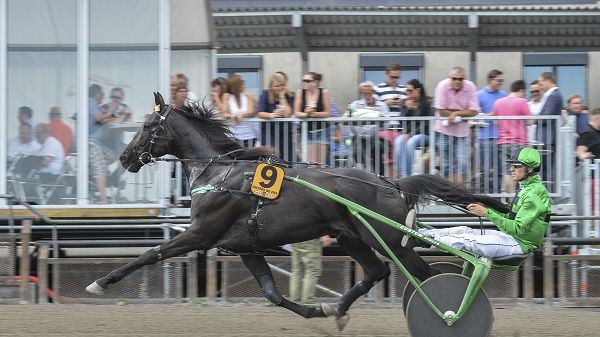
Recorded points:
(528, 156)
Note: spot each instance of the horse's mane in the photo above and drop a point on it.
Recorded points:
(206, 120)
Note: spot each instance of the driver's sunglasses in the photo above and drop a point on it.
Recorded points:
(516, 166)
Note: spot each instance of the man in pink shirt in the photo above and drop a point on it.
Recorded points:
(455, 97)
(512, 133)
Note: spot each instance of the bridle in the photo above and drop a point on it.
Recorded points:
(151, 160)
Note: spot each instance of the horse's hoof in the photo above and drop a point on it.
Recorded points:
(95, 288)
(328, 310)
(342, 321)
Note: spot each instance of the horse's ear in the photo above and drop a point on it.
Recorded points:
(159, 99)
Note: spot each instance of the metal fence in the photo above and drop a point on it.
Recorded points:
(577, 278)
(568, 279)
(235, 283)
(63, 280)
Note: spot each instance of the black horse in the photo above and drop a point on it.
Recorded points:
(225, 215)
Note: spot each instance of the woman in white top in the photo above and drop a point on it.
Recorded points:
(236, 106)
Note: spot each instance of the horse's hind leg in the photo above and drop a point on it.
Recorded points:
(262, 273)
(375, 271)
(183, 243)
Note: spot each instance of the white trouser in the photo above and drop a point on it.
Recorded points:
(491, 243)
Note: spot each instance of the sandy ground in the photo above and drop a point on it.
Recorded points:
(259, 320)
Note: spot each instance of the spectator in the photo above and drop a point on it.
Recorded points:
(306, 269)
(535, 98)
(277, 102)
(238, 105)
(113, 137)
(99, 155)
(312, 101)
(535, 106)
(588, 143)
(218, 90)
(179, 95)
(181, 78)
(575, 108)
(390, 92)
(512, 134)
(416, 133)
(59, 130)
(52, 151)
(120, 111)
(25, 115)
(455, 98)
(552, 104)
(365, 136)
(487, 133)
(24, 144)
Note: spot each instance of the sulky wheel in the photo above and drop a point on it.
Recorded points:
(446, 291)
(443, 267)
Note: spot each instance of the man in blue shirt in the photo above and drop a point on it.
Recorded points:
(487, 133)
(98, 161)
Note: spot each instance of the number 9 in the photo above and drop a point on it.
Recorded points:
(269, 176)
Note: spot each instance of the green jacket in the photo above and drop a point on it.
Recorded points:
(531, 211)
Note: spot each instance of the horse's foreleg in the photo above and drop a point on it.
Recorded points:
(183, 243)
(375, 271)
(262, 273)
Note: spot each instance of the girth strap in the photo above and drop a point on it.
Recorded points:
(254, 226)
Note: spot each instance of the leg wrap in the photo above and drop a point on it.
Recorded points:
(270, 290)
(355, 292)
(158, 254)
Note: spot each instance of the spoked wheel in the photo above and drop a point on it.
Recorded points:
(446, 291)
(443, 267)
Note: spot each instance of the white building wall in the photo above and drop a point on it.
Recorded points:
(592, 80)
(340, 74)
(438, 64)
(510, 63)
(289, 63)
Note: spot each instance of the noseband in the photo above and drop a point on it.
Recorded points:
(146, 157)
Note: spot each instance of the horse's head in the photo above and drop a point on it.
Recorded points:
(151, 141)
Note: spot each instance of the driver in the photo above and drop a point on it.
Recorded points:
(520, 231)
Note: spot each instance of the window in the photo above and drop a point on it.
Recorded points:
(248, 67)
(42, 78)
(570, 70)
(373, 66)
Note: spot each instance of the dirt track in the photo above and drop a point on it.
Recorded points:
(255, 320)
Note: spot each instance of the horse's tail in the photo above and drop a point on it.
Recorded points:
(421, 185)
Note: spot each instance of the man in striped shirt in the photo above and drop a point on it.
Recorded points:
(390, 92)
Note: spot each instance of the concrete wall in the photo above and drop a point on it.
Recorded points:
(511, 64)
(438, 64)
(289, 63)
(340, 74)
(593, 83)
(190, 22)
(197, 66)
(191, 26)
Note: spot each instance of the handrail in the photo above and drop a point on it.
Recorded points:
(105, 243)
(28, 206)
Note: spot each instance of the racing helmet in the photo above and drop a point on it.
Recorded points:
(527, 156)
